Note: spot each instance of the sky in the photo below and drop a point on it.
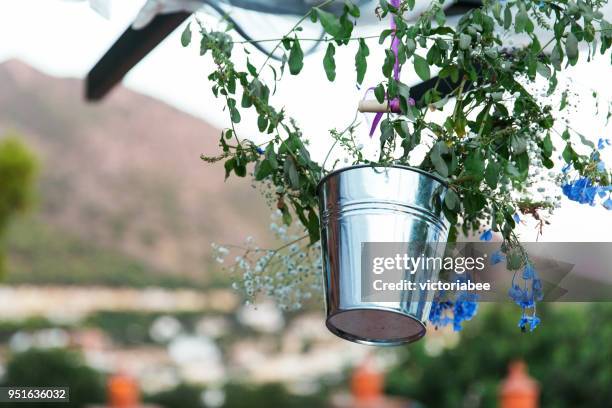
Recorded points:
(67, 38)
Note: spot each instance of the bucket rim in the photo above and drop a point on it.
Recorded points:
(397, 166)
(400, 341)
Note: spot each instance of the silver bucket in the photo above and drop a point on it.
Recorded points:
(365, 204)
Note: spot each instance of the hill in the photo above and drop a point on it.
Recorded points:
(123, 177)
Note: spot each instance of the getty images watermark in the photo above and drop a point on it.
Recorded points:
(409, 266)
(569, 272)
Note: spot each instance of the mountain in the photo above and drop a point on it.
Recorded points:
(124, 175)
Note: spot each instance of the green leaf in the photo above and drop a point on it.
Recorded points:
(522, 21)
(547, 146)
(571, 48)
(291, 173)
(465, 41)
(352, 9)
(585, 141)
(329, 64)
(361, 63)
(387, 132)
(568, 153)
(331, 24)
(379, 93)
(518, 144)
(473, 202)
(313, 227)
(262, 170)
(492, 174)
(271, 155)
(474, 164)
(451, 200)
(240, 170)
(421, 67)
(440, 17)
(507, 17)
(252, 70)
(296, 58)
(229, 165)
(514, 260)
(543, 70)
(410, 47)
(262, 123)
(563, 104)
(556, 56)
(437, 160)
(186, 36)
(387, 67)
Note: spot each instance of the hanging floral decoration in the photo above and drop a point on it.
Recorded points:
(498, 138)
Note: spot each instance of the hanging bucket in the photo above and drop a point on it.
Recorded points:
(365, 204)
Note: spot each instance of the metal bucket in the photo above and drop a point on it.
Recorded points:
(365, 204)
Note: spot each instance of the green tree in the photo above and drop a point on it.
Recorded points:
(569, 356)
(17, 174)
(55, 368)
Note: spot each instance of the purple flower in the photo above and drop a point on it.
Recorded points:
(487, 235)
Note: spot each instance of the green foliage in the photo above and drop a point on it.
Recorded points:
(237, 396)
(268, 395)
(182, 396)
(17, 175)
(132, 328)
(569, 362)
(44, 255)
(329, 63)
(54, 368)
(497, 131)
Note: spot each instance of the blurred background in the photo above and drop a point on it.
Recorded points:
(107, 284)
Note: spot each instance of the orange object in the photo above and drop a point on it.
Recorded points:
(519, 390)
(367, 382)
(123, 392)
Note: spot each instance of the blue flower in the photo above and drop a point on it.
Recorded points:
(465, 308)
(445, 312)
(487, 235)
(536, 288)
(602, 143)
(601, 166)
(437, 313)
(521, 297)
(260, 150)
(497, 257)
(529, 272)
(516, 218)
(532, 321)
(566, 168)
(515, 293)
(581, 191)
(608, 204)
